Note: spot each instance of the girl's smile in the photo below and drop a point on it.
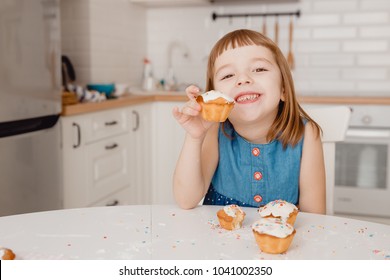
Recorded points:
(247, 97)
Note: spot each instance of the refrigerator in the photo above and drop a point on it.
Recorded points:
(30, 106)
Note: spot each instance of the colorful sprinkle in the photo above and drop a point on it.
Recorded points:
(384, 254)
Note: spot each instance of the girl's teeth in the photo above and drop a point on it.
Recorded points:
(247, 97)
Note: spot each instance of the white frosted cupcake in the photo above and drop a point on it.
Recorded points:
(231, 217)
(273, 235)
(216, 106)
(6, 254)
(279, 209)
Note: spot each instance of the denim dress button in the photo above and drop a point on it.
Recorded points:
(256, 152)
(257, 198)
(258, 176)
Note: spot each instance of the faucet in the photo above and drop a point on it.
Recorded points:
(170, 82)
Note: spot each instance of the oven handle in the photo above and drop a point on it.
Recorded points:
(368, 133)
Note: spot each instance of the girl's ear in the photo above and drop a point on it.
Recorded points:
(283, 95)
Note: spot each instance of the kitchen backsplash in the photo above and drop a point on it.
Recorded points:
(105, 39)
(341, 47)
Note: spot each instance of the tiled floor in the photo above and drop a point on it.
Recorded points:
(381, 220)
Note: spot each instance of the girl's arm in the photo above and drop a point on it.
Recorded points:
(199, 156)
(312, 190)
(195, 167)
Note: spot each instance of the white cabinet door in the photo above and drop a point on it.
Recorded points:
(105, 124)
(107, 167)
(74, 161)
(141, 167)
(168, 137)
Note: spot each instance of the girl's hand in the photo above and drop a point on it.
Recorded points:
(189, 116)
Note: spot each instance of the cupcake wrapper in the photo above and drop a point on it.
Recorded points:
(216, 112)
(273, 245)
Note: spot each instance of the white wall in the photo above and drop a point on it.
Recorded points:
(105, 39)
(342, 47)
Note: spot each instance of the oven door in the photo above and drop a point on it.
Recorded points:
(362, 184)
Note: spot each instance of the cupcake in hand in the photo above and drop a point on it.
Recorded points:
(216, 106)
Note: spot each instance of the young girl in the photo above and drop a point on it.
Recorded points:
(268, 149)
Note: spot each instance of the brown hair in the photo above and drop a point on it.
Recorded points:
(288, 126)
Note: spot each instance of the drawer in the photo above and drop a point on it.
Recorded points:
(108, 167)
(121, 197)
(105, 124)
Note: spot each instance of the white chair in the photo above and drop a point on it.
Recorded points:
(334, 123)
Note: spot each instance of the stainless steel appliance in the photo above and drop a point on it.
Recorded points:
(30, 105)
(363, 163)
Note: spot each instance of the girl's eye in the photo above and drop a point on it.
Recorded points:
(227, 76)
(260, 69)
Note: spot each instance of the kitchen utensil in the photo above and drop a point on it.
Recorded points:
(290, 56)
(69, 98)
(107, 89)
(68, 73)
(276, 40)
(121, 89)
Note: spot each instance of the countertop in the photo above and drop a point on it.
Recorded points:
(144, 97)
(167, 232)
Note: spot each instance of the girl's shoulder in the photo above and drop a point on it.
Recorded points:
(312, 130)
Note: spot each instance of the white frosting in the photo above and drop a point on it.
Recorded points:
(273, 226)
(277, 208)
(231, 210)
(213, 94)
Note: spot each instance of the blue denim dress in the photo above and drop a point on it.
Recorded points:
(254, 174)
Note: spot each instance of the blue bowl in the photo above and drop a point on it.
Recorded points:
(107, 89)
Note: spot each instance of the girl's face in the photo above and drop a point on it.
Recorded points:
(250, 75)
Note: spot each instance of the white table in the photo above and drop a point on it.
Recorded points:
(168, 232)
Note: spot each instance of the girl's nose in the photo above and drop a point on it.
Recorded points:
(243, 80)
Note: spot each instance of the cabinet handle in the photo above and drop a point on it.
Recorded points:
(78, 135)
(110, 147)
(113, 203)
(110, 123)
(135, 128)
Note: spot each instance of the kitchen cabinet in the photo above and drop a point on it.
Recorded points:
(96, 157)
(157, 140)
(141, 151)
(121, 156)
(168, 137)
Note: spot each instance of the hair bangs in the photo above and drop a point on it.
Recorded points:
(239, 39)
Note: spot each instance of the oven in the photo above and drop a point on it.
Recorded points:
(362, 167)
